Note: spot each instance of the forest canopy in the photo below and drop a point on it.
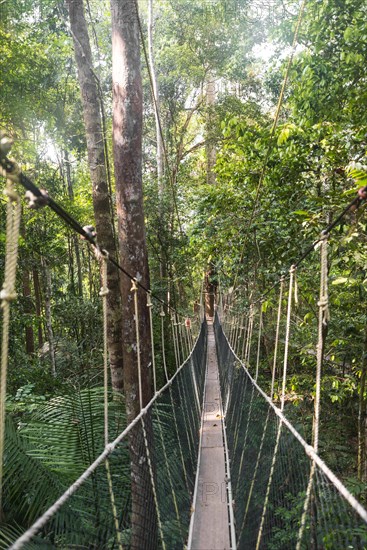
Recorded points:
(254, 134)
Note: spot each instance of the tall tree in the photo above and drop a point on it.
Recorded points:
(127, 149)
(97, 167)
(156, 101)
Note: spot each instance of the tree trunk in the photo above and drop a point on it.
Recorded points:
(29, 310)
(97, 167)
(210, 145)
(75, 241)
(156, 106)
(38, 302)
(127, 148)
(210, 287)
(48, 315)
(362, 437)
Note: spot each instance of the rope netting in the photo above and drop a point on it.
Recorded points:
(152, 489)
(272, 467)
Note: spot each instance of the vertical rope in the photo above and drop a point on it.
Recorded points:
(324, 317)
(7, 295)
(277, 337)
(152, 480)
(162, 316)
(247, 364)
(102, 257)
(247, 428)
(103, 293)
(245, 329)
(168, 469)
(177, 357)
(285, 365)
(134, 289)
(292, 272)
(150, 307)
(259, 342)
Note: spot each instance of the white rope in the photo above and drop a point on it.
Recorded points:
(277, 338)
(247, 362)
(168, 469)
(285, 365)
(287, 333)
(245, 328)
(162, 316)
(309, 451)
(247, 428)
(104, 293)
(259, 341)
(324, 317)
(150, 307)
(134, 289)
(7, 295)
(175, 344)
(102, 257)
(152, 480)
(52, 510)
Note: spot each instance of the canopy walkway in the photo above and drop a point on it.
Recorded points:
(250, 488)
(211, 462)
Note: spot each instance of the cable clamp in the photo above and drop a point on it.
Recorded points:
(149, 299)
(90, 231)
(36, 201)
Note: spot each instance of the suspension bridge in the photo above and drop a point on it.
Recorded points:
(217, 464)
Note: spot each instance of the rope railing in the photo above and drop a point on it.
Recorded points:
(164, 436)
(270, 500)
(130, 501)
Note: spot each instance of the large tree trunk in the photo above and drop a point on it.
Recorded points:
(97, 167)
(127, 147)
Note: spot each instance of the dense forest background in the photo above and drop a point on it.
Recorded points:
(219, 66)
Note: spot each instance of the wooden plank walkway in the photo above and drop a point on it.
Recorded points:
(210, 529)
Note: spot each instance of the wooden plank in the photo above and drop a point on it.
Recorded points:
(211, 525)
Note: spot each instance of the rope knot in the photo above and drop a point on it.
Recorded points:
(134, 285)
(7, 295)
(10, 192)
(104, 292)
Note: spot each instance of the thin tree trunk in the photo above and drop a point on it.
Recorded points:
(97, 167)
(38, 302)
(362, 438)
(210, 145)
(74, 237)
(156, 106)
(127, 148)
(48, 315)
(159, 150)
(29, 310)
